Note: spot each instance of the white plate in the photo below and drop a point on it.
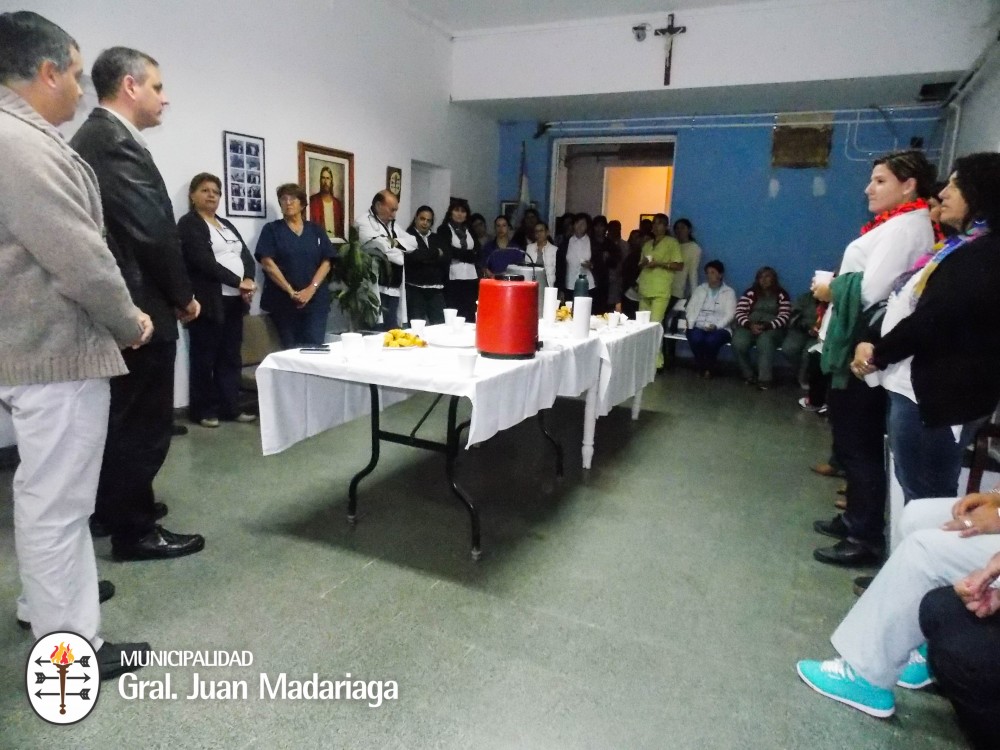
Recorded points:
(441, 336)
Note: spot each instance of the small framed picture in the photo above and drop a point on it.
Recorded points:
(243, 157)
(394, 180)
(509, 208)
(327, 176)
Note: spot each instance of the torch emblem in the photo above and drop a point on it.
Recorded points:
(53, 664)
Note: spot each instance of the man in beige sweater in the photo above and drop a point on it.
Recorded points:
(64, 313)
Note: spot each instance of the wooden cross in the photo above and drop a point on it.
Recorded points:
(670, 31)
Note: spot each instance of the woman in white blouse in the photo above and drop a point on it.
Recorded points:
(574, 257)
(542, 252)
(709, 314)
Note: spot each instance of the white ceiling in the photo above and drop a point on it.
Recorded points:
(457, 16)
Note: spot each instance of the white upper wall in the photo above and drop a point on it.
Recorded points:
(360, 77)
(979, 118)
(768, 42)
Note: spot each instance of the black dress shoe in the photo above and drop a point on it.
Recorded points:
(847, 553)
(179, 429)
(159, 511)
(105, 590)
(834, 527)
(159, 544)
(109, 658)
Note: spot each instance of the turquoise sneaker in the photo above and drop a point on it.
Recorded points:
(917, 673)
(835, 679)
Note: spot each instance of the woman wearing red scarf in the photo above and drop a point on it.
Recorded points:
(890, 244)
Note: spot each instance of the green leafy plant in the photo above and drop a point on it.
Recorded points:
(359, 299)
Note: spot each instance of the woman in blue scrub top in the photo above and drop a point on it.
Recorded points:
(296, 256)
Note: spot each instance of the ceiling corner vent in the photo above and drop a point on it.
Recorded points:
(935, 92)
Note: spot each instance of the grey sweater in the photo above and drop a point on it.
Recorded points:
(64, 307)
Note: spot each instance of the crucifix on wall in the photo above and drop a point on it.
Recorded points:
(669, 31)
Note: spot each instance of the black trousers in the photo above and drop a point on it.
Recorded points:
(216, 364)
(462, 294)
(857, 417)
(139, 430)
(423, 303)
(964, 656)
(819, 382)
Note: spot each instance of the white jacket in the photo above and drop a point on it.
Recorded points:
(724, 314)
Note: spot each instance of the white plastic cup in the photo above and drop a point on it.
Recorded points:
(569, 305)
(467, 362)
(823, 277)
(642, 316)
(374, 344)
(872, 379)
(457, 324)
(449, 315)
(550, 304)
(417, 326)
(614, 319)
(353, 343)
(581, 317)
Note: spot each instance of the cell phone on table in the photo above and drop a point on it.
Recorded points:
(320, 348)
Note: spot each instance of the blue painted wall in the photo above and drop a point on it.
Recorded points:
(721, 183)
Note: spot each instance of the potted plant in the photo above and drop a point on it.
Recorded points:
(358, 295)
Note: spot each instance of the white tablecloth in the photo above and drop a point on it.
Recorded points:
(628, 362)
(302, 394)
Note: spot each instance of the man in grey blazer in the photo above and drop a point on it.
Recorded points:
(142, 235)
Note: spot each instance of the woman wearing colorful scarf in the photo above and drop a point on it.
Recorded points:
(953, 337)
(890, 244)
(940, 345)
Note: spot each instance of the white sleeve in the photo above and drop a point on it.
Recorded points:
(372, 235)
(407, 241)
(728, 305)
(894, 253)
(692, 268)
(549, 259)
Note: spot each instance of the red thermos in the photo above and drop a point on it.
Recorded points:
(507, 319)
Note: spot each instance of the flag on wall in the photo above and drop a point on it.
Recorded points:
(524, 194)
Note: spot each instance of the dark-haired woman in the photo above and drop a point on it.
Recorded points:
(296, 255)
(426, 270)
(660, 260)
(222, 274)
(761, 316)
(501, 251)
(898, 235)
(462, 289)
(940, 343)
(710, 312)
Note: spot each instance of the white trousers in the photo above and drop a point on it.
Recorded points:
(60, 429)
(882, 628)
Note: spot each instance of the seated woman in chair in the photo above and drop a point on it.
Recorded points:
(761, 316)
(709, 314)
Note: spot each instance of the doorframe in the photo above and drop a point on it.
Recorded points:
(557, 169)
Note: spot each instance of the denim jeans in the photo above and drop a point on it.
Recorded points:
(705, 346)
(927, 459)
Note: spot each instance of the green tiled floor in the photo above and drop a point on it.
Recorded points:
(659, 601)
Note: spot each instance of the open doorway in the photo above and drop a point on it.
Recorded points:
(620, 177)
